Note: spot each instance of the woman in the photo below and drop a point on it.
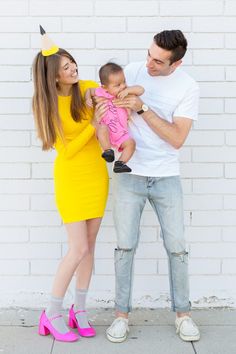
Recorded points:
(81, 181)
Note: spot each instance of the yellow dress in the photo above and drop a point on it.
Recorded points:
(80, 173)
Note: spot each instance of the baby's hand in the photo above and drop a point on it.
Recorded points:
(123, 94)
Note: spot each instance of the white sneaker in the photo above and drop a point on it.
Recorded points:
(187, 329)
(118, 330)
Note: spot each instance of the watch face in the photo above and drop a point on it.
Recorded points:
(145, 108)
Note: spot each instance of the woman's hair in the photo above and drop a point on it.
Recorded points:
(173, 40)
(45, 99)
(108, 69)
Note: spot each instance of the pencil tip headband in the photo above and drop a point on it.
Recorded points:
(42, 31)
(48, 47)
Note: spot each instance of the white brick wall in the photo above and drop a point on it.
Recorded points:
(32, 238)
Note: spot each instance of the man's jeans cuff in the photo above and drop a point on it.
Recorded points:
(182, 309)
(123, 309)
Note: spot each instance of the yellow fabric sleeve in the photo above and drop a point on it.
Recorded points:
(85, 84)
(69, 149)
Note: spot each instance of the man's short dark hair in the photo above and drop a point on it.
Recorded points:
(108, 69)
(174, 41)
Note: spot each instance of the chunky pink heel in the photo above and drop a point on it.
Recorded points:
(73, 323)
(43, 331)
(46, 327)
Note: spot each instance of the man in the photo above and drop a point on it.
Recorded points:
(161, 120)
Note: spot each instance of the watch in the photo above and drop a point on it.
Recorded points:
(143, 109)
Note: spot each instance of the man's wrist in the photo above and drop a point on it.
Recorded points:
(144, 108)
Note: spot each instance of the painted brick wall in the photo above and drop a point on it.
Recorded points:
(32, 238)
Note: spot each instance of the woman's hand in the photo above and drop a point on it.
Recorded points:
(89, 102)
(133, 102)
(100, 110)
(88, 98)
(98, 99)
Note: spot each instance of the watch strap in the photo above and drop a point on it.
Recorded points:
(140, 112)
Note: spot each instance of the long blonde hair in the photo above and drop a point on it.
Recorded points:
(45, 99)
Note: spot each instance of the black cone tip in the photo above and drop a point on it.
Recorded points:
(42, 31)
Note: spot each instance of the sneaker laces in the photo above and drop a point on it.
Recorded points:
(119, 326)
(187, 320)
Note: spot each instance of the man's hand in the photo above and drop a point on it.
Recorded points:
(133, 102)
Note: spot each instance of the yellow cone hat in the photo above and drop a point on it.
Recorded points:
(48, 47)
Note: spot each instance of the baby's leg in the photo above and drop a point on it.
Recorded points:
(103, 136)
(104, 140)
(128, 148)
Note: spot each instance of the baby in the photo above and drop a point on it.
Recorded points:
(112, 129)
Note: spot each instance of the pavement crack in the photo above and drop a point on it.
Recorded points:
(51, 351)
(195, 351)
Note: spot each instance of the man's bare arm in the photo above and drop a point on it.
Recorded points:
(174, 133)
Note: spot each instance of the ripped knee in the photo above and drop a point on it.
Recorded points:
(124, 252)
(183, 255)
(124, 249)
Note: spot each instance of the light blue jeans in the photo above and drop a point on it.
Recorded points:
(130, 193)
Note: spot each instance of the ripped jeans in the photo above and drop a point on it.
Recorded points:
(130, 193)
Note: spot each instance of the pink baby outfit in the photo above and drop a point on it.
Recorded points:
(115, 119)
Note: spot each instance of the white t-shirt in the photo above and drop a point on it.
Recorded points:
(175, 95)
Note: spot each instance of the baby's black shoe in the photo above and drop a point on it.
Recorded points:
(120, 167)
(108, 155)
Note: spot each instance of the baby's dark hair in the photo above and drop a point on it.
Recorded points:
(108, 69)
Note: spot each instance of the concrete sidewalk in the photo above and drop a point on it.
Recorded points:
(151, 332)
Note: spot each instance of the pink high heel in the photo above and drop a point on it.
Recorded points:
(73, 323)
(46, 327)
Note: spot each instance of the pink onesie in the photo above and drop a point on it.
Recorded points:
(116, 120)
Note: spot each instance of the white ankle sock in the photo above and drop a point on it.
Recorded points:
(80, 300)
(55, 309)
